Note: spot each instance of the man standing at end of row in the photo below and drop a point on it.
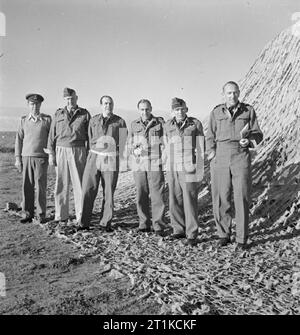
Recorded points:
(67, 146)
(232, 127)
(107, 137)
(146, 146)
(31, 139)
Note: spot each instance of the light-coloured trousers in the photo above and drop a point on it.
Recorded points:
(34, 177)
(70, 166)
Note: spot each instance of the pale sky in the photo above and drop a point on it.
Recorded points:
(133, 49)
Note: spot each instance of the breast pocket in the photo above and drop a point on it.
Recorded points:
(223, 128)
(61, 126)
(242, 121)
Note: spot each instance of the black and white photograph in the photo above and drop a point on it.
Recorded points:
(150, 160)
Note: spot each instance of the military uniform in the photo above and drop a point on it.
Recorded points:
(185, 152)
(31, 139)
(147, 171)
(107, 140)
(68, 141)
(230, 167)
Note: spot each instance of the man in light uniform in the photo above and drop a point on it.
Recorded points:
(146, 146)
(31, 139)
(107, 136)
(232, 128)
(67, 147)
(184, 141)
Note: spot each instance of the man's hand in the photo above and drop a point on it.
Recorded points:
(211, 155)
(244, 142)
(18, 164)
(52, 160)
(137, 151)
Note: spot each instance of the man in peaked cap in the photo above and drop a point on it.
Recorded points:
(232, 126)
(146, 147)
(31, 139)
(184, 151)
(68, 145)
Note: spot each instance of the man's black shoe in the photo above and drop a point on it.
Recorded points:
(159, 233)
(28, 219)
(107, 229)
(223, 241)
(41, 219)
(177, 236)
(81, 228)
(144, 230)
(191, 242)
(241, 247)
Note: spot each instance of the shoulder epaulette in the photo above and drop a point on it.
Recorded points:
(160, 119)
(218, 106)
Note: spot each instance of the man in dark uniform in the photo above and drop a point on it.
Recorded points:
(184, 141)
(146, 147)
(31, 139)
(67, 146)
(232, 127)
(107, 136)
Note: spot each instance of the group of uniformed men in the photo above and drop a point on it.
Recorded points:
(88, 151)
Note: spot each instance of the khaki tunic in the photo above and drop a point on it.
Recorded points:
(147, 171)
(184, 154)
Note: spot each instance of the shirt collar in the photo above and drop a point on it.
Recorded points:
(235, 109)
(146, 121)
(34, 118)
(183, 122)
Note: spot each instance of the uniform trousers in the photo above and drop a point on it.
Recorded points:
(230, 171)
(183, 202)
(97, 170)
(150, 188)
(34, 177)
(70, 166)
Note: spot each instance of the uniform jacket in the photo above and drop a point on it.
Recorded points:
(69, 132)
(223, 127)
(102, 134)
(148, 138)
(183, 143)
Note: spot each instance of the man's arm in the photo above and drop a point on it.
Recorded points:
(123, 135)
(52, 142)
(88, 141)
(255, 132)
(19, 146)
(211, 137)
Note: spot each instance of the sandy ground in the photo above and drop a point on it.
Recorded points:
(47, 276)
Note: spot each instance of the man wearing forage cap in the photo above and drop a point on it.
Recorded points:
(68, 145)
(31, 139)
(184, 152)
